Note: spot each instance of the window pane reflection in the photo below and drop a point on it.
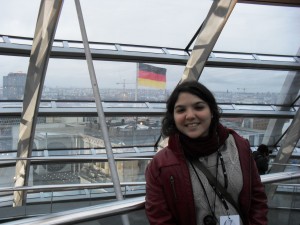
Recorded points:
(118, 81)
(242, 86)
(85, 132)
(255, 129)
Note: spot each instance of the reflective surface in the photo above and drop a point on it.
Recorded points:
(253, 72)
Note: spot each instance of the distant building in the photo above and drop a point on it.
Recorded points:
(14, 85)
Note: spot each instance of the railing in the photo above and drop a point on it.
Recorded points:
(118, 207)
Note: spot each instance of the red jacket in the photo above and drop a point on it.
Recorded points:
(169, 193)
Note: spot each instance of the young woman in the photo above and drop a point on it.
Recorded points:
(178, 189)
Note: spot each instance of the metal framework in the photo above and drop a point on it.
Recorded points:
(159, 55)
(101, 116)
(43, 38)
(41, 50)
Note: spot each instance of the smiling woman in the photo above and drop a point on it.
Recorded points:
(201, 176)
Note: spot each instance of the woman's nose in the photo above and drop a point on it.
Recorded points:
(190, 114)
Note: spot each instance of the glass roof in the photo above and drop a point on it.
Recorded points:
(259, 28)
(255, 28)
(139, 22)
(253, 71)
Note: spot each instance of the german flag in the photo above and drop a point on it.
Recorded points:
(151, 76)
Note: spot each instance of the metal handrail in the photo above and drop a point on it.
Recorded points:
(266, 179)
(71, 158)
(117, 207)
(86, 213)
(67, 187)
(274, 177)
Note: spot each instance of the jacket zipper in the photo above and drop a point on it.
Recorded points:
(172, 181)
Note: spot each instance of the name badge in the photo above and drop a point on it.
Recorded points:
(230, 220)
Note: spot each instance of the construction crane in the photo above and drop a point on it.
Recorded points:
(244, 89)
(124, 86)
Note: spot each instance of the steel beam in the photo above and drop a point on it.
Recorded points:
(286, 149)
(207, 38)
(43, 38)
(101, 116)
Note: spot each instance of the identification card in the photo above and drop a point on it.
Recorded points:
(230, 220)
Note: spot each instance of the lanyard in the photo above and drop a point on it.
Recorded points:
(220, 195)
(219, 187)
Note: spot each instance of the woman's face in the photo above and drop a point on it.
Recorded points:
(192, 115)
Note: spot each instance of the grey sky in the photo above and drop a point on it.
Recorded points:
(251, 28)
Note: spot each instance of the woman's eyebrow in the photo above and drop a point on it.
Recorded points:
(179, 106)
(200, 103)
(195, 103)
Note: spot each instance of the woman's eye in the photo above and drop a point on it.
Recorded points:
(200, 107)
(179, 110)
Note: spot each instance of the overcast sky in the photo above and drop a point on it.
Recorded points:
(251, 28)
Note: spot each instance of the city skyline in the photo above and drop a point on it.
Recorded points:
(113, 74)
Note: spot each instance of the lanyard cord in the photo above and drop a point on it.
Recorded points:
(217, 192)
(223, 169)
(217, 166)
(211, 210)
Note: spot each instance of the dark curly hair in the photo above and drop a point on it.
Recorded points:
(194, 88)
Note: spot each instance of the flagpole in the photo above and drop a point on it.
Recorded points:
(136, 82)
(166, 91)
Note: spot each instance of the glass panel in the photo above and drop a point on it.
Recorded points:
(85, 132)
(232, 56)
(158, 105)
(284, 203)
(246, 86)
(143, 23)
(254, 129)
(257, 28)
(276, 58)
(103, 46)
(57, 44)
(298, 101)
(45, 105)
(254, 107)
(116, 80)
(54, 173)
(13, 77)
(7, 177)
(9, 132)
(176, 52)
(281, 108)
(134, 131)
(75, 45)
(18, 18)
(76, 104)
(68, 25)
(11, 104)
(142, 49)
(21, 41)
(226, 107)
(125, 105)
(135, 217)
(7, 174)
(286, 125)
(88, 172)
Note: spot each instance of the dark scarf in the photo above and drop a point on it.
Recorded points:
(200, 147)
